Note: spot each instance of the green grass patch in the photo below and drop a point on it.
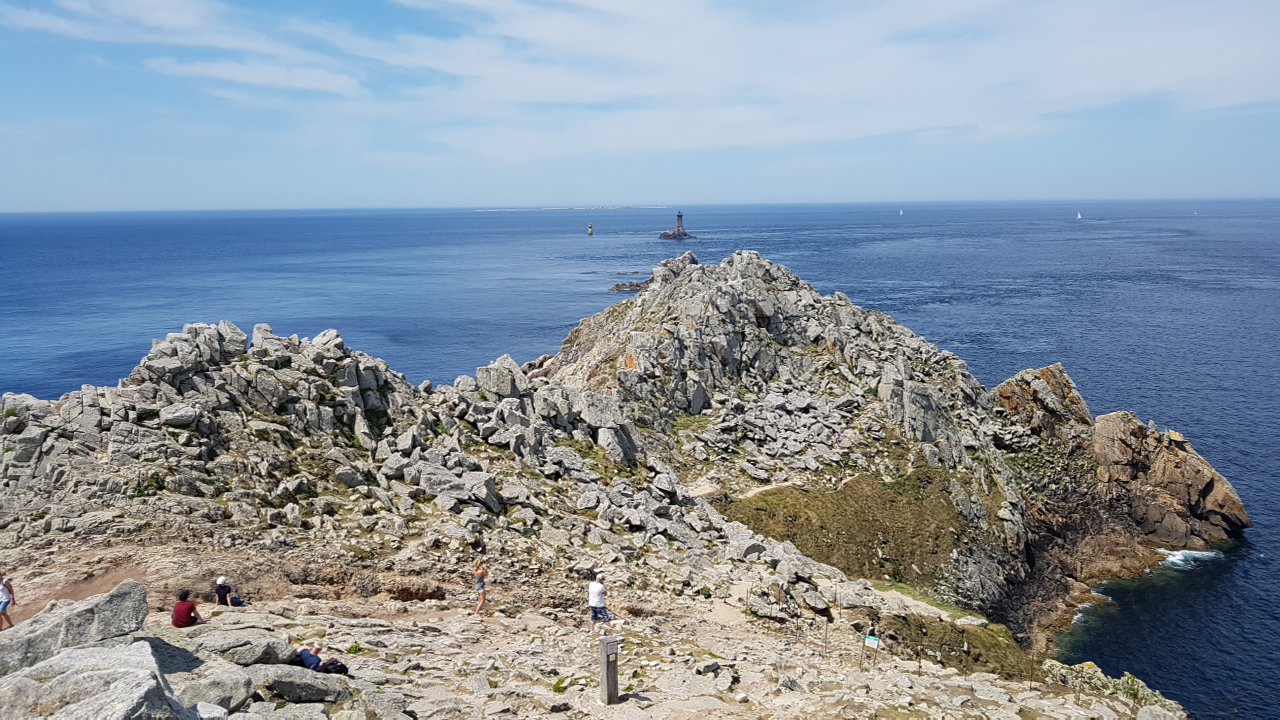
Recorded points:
(599, 461)
(917, 594)
(691, 423)
(146, 486)
(905, 529)
(967, 648)
(565, 682)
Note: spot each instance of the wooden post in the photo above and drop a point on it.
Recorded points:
(609, 647)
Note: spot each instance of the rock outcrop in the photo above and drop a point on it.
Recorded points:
(758, 387)
(121, 682)
(1177, 498)
(678, 232)
(65, 625)
(727, 433)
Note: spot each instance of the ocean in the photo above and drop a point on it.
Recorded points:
(1168, 309)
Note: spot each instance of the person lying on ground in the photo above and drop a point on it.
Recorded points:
(309, 654)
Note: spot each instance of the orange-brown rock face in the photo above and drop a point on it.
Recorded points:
(1047, 402)
(1177, 496)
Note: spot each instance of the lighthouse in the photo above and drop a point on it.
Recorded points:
(679, 232)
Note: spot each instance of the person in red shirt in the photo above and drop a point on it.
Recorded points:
(184, 612)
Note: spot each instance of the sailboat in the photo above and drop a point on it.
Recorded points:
(899, 212)
(1079, 216)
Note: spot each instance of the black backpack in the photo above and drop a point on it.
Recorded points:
(333, 665)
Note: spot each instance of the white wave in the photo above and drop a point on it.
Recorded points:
(1075, 619)
(1187, 559)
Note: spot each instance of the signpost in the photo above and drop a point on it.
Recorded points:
(609, 647)
(872, 643)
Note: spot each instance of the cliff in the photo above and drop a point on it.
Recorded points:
(726, 439)
(832, 426)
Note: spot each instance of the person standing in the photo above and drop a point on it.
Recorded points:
(481, 576)
(596, 600)
(184, 611)
(7, 597)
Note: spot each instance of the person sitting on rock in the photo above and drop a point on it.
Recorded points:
(184, 612)
(224, 593)
(309, 654)
(7, 598)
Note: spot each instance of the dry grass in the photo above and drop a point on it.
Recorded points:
(903, 531)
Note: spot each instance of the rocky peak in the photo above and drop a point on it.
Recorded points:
(759, 387)
(1046, 402)
(728, 428)
(697, 330)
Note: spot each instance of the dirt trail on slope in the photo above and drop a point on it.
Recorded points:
(75, 581)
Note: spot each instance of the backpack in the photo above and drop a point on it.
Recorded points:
(333, 665)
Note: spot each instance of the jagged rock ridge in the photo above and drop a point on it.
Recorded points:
(798, 388)
(717, 388)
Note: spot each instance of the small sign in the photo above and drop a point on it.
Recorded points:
(872, 642)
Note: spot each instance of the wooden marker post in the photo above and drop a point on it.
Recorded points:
(609, 647)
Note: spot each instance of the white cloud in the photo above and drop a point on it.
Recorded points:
(261, 73)
(163, 14)
(130, 23)
(536, 79)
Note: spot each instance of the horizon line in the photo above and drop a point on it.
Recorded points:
(635, 206)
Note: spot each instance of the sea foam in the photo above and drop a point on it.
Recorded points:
(1187, 559)
(1075, 619)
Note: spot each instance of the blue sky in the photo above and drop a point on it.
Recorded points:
(198, 104)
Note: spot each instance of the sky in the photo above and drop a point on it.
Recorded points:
(207, 104)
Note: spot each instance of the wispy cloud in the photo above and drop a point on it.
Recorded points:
(506, 82)
(163, 14)
(154, 23)
(673, 75)
(261, 73)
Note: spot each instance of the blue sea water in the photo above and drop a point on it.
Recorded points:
(1168, 309)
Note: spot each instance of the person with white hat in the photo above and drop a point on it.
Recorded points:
(223, 591)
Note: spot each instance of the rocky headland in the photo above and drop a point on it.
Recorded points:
(763, 473)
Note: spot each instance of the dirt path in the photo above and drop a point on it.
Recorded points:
(34, 596)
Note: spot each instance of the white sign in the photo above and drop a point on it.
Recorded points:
(872, 642)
